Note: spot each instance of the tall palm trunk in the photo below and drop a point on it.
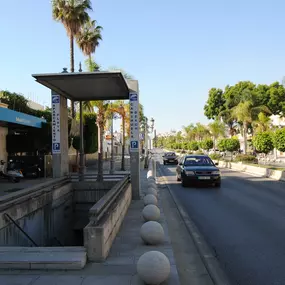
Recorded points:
(123, 145)
(100, 124)
(72, 69)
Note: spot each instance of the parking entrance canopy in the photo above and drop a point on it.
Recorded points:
(86, 86)
(10, 116)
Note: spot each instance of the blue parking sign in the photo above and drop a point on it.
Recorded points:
(55, 147)
(134, 144)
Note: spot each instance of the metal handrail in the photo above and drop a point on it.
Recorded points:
(106, 202)
(26, 235)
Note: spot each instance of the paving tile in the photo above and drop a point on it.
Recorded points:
(107, 280)
(120, 260)
(17, 280)
(59, 280)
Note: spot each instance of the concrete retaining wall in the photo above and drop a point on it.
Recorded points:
(98, 239)
(44, 215)
(255, 170)
(86, 194)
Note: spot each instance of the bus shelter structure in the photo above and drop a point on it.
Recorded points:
(88, 86)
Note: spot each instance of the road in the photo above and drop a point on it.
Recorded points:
(243, 221)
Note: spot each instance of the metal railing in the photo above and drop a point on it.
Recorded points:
(103, 206)
(7, 216)
(75, 177)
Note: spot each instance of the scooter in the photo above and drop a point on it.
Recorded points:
(11, 175)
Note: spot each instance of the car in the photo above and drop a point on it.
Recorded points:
(170, 158)
(198, 169)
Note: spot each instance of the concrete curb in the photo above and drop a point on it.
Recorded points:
(211, 263)
(277, 175)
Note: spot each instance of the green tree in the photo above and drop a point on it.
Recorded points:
(245, 113)
(232, 144)
(207, 144)
(279, 139)
(222, 144)
(88, 38)
(217, 129)
(16, 102)
(189, 132)
(263, 142)
(193, 145)
(276, 102)
(72, 14)
(262, 124)
(240, 92)
(200, 131)
(215, 103)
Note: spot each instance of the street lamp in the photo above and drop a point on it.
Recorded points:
(151, 124)
(151, 127)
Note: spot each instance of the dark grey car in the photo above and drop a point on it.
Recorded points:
(198, 169)
(170, 158)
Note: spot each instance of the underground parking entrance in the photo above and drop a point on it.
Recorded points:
(60, 224)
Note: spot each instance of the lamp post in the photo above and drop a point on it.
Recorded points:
(151, 128)
(147, 140)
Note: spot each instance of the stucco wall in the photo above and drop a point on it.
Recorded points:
(3, 134)
(45, 215)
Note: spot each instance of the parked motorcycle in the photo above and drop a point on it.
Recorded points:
(11, 174)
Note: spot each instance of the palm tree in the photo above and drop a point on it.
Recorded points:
(245, 113)
(88, 38)
(262, 124)
(200, 131)
(72, 14)
(189, 132)
(120, 107)
(217, 129)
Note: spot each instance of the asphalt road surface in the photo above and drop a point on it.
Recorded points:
(243, 221)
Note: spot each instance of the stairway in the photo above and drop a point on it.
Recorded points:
(53, 258)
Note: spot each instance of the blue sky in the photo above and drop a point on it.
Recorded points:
(177, 50)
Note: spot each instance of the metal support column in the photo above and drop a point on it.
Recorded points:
(81, 154)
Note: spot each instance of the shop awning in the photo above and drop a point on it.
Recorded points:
(10, 116)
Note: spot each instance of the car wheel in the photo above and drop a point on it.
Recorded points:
(218, 185)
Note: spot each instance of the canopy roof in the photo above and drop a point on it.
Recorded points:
(88, 86)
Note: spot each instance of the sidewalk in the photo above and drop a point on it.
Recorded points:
(120, 266)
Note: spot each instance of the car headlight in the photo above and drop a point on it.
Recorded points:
(216, 172)
(189, 172)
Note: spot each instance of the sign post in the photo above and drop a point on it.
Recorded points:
(55, 123)
(134, 145)
(60, 159)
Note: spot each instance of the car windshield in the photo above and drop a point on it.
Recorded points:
(170, 154)
(198, 161)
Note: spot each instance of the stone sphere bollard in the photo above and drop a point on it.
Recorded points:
(151, 183)
(152, 186)
(153, 267)
(152, 233)
(149, 174)
(150, 199)
(151, 213)
(151, 178)
(152, 191)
